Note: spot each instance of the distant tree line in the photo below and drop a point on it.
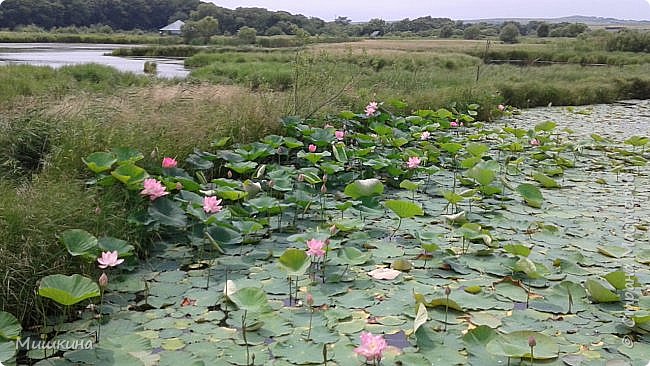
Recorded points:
(207, 19)
(117, 14)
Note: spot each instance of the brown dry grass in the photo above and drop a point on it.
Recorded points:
(169, 119)
(424, 45)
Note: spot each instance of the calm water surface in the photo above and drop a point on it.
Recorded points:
(60, 54)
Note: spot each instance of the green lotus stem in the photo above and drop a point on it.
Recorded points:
(101, 305)
(225, 302)
(243, 328)
(447, 292)
(345, 271)
(426, 185)
(399, 223)
(446, 312)
(290, 293)
(311, 316)
(295, 297)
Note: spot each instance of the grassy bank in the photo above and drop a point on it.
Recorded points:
(119, 38)
(432, 74)
(53, 119)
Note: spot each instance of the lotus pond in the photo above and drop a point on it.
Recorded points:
(458, 242)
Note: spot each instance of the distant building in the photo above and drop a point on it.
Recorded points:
(172, 29)
(616, 28)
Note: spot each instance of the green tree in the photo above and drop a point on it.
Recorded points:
(509, 33)
(208, 27)
(446, 31)
(473, 32)
(247, 35)
(543, 30)
(202, 29)
(374, 25)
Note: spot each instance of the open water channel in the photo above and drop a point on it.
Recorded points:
(61, 54)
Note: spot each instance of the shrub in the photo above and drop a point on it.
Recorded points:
(509, 34)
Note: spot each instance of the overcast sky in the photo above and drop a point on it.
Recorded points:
(362, 10)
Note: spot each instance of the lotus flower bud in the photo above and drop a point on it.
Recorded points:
(323, 189)
(301, 177)
(229, 174)
(309, 299)
(447, 290)
(531, 341)
(333, 230)
(103, 280)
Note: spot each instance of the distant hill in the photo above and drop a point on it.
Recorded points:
(591, 21)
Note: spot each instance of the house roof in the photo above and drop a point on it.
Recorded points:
(175, 26)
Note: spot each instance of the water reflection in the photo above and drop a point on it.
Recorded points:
(60, 54)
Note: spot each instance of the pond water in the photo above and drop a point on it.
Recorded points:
(60, 54)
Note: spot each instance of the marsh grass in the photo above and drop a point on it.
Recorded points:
(433, 74)
(43, 191)
(54, 37)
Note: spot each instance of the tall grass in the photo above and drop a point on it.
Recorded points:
(428, 79)
(55, 37)
(24, 80)
(43, 190)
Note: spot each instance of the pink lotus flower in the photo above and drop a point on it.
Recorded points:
(312, 148)
(425, 135)
(534, 142)
(340, 135)
(454, 124)
(413, 162)
(501, 107)
(169, 163)
(371, 346)
(109, 259)
(211, 204)
(315, 248)
(153, 189)
(371, 109)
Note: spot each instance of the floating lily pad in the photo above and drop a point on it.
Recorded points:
(531, 194)
(100, 161)
(599, 291)
(515, 345)
(294, 261)
(353, 256)
(251, 299)
(79, 242)
(364, 188)
(404, 209)
(68, 290)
